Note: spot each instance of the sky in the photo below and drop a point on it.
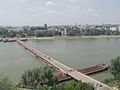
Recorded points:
(58, 12)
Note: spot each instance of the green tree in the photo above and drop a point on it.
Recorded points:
(5, 84)
(44, 78)
(118, 76)
(39, 76)
(108, 32)
(74, 85)
(116, 32)
(45, 87)
(115, 68)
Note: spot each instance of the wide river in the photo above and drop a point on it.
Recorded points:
(77, 53)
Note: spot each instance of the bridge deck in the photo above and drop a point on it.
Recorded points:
(65, 69)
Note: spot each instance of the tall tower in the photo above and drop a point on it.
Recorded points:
(102, 23)
(45, 27)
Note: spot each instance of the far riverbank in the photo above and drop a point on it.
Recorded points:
(71, 37)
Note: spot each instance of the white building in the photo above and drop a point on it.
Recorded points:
(113, 28)
(119, 28)
(65, 31)
(16, 29)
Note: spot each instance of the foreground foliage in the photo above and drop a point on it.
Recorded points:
(70, 85)
(115, 71)
(74, 85)
(5, 84)
(115, 68)
(44, 78)
(37, 77)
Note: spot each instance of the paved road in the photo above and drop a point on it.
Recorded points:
(80, 76)
(65, 69)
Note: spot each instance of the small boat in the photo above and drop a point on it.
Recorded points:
(23, 39)
(5, 40)
(1, 40)
(12, 40)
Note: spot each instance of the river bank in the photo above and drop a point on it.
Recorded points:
(71, 37)
(65, 37)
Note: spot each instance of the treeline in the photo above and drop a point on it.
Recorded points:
(91, 32)
(5, 33)
(41, 32)
(28, 33)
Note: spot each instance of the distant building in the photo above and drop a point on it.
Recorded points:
(45, 27)
(65, 31)
(113, 28)
(119, 28)
(17, 29)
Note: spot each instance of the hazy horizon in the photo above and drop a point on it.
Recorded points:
(54, 12)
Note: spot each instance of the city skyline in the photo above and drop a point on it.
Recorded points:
(38, 12)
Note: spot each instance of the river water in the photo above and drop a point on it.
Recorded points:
(77, 53)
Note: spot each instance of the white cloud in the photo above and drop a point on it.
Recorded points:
(78, 6)
(2, 12)
(52, 11)
(71, 9)
(73, 1)
(90, 10)
(31, 9)
(35, 9)
(85, 2)
(96, 15)
(50, 3)
(20, 0)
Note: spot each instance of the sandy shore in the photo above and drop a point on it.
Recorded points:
(39, 38)
(71, 37)
(101, 36)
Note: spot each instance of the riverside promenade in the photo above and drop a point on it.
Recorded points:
(64, 68)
